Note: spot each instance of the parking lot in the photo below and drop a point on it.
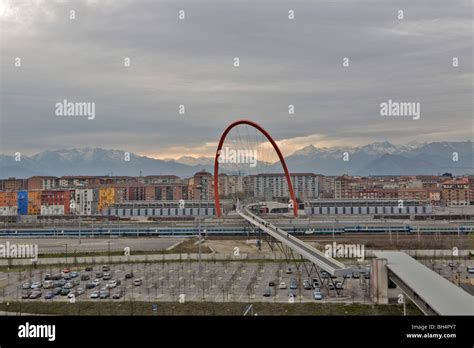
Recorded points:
(193, 281)
(181, 282)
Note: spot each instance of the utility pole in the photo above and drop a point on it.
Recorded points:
(199, 242)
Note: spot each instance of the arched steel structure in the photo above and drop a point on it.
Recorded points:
(275, 146)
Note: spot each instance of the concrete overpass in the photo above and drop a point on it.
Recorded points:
(432, 293)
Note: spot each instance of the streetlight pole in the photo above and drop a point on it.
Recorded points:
(199, 241)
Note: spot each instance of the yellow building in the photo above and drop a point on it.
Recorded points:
(34, 202)
(106, 197)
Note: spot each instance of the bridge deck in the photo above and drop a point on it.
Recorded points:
(440, 294)
(312, 254)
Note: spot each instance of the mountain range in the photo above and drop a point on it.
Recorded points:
(379, 158)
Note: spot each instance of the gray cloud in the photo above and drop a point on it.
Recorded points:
(190, 62)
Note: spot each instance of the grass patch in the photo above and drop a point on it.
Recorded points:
(204, 308)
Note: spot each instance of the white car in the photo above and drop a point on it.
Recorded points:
(282, 285)
(48, 284)
(95, 294)
(137, 282)
(96, 282)
(112, 284)
(317, 296)
(36, 285)
(72, 294)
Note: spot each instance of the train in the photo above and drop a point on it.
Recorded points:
(127, 231)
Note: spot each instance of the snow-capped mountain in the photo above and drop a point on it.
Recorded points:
(382, 158)
(91, 161)
(195, 161)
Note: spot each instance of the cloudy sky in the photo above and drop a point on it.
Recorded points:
(190, 62)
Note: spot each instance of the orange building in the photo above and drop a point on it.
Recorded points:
(34, 202)
(8, 199)
(106, 198)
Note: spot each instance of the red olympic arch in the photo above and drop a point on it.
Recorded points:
(275, 147)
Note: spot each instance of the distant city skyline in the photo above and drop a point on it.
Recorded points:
(136, 62)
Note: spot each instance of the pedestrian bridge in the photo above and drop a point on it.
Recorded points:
(328, 264)
(432, 293)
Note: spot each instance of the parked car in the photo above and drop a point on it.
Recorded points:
(65, 292)
(74, 274)
(95, 294)
(104, 294)
(117, 294)
(267, 292)
(137, 282)
(47, 276)
(35, 294)
(56, 277)
(99, 274)
(367, 275)
(68, 285)
(129, 275)
(289, 270)
(90, 285)
(66, 276)
(80, 291)
(307, 285)
(324, 274)
(105, 268)
(85, 277)
(355, 275)
(282, 285)
(72, 294)
(88, 269)
(317, 295)
(106, 276)
(36, 285)
(57, 291)
(339, 285)
(96, 282)
(113, 284)
(271, 283)
(470, 269)
(291, 293)
(48, 284)
(62, 282)
(293, 284)
(25, 294)
(26, 285)
(331, 286)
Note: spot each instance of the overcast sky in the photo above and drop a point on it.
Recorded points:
(190, 62)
